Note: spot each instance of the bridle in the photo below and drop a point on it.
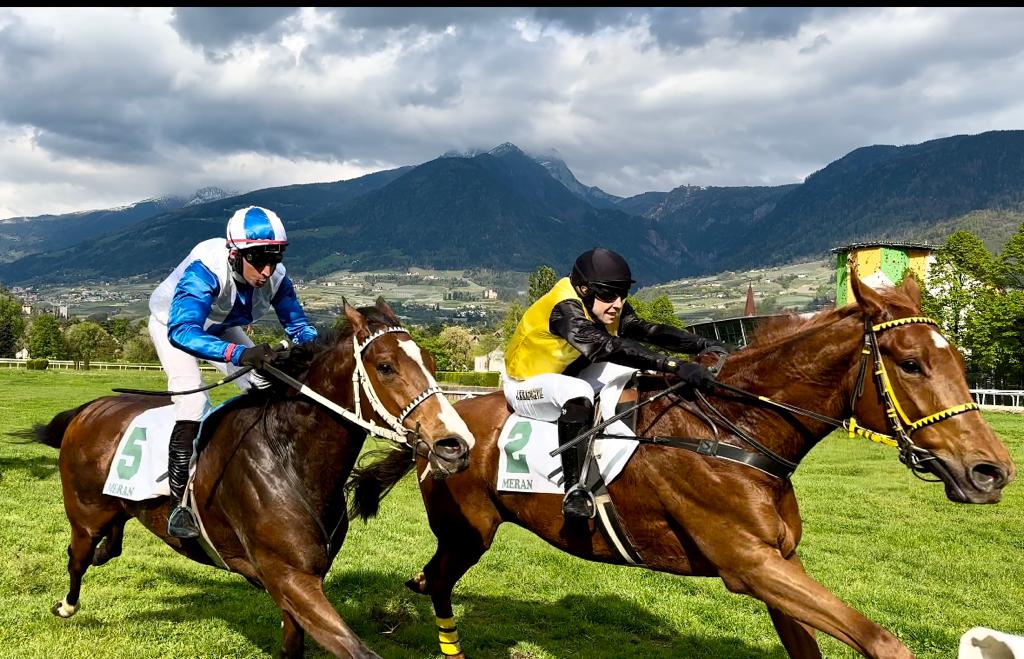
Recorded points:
(395, 430)
(918, 459)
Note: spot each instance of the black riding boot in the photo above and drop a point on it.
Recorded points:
(181, 523)
(577, 415)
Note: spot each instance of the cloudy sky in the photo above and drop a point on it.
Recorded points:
(103, 107)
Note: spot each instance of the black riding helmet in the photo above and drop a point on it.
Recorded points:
(604, 273)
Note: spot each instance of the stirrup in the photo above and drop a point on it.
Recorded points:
(181, 523)
(579, 503)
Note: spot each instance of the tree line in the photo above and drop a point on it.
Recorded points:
(978, 298)
(976, 295)
(80, 340)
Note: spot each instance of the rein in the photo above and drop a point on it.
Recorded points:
(918, 459)
(148, 392)
(395, 432)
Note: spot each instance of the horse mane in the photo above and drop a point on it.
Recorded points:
(342, 330)
(271, 398)
(773, 333)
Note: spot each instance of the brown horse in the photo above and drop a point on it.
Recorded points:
(270, 483)
(691, 514)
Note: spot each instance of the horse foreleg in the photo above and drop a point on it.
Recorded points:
(453, 558)
(293, 643)
(784, 586)
(797, 638)
(301, 596)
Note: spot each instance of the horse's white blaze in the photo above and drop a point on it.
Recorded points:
(66, 610)
(940, 341)
(449, 417)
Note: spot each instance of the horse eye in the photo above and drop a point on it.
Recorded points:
(910, 366)
(385, 368)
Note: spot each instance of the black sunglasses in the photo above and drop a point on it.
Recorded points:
(261, 259)
(607, 293)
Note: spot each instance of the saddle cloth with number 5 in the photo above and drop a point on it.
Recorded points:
(525, 445)
(139, 468)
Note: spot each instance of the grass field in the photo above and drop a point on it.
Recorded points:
(885, 542)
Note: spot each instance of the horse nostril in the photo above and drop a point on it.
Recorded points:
(987, 477)
(450, 448)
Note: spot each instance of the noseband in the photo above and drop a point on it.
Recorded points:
(361, 381)
(920, 460)
(396, 432)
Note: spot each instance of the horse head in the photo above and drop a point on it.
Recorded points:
(400, 390)
(925, 397)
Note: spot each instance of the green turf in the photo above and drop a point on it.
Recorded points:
(883, 541)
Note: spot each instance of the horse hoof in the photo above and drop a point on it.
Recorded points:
(62, 609)
(418, 584)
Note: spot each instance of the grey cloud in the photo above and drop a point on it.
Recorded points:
(679, 28)
(411, 99)
(442, 92)
(756, 23)
(587, 20)
(428, 18)
(217, 28)
(820, 42)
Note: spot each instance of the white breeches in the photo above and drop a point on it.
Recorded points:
(543, 396)
(183, 370)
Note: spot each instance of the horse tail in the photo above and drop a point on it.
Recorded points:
(52, 434)
(368, 485)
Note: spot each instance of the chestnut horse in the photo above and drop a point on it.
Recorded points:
(270, 482)
(691, 514)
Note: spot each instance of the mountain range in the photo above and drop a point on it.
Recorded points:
(509, 210)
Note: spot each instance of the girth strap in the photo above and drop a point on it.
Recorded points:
(716, 449)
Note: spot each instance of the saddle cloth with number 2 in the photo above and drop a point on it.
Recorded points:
(525, 445)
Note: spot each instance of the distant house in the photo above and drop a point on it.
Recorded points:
(492, 361)
(490, 294)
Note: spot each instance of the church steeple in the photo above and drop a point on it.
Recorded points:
(749, 309)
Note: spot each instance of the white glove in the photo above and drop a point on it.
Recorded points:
(257, 381)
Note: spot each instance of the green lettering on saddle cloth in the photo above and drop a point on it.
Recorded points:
(514, 449)
(130, 460)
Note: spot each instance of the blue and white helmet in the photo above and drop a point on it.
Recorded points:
(255, 226)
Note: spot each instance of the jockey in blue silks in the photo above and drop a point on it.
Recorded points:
(198, 312)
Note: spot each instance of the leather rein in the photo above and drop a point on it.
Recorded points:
(917, 458)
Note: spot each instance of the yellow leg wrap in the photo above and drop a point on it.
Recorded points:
(448, 636)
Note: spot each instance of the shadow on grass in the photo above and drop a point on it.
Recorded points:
(398, 624)
(39, 467)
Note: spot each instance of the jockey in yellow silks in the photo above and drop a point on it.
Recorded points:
(558, 356)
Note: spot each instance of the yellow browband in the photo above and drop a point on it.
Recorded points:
(853, 429)
(909, 320)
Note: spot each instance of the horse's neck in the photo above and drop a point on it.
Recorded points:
(810, 370)
(325, 448)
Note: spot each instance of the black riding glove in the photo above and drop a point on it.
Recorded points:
(692, 374)
(715, 346)
(258, 356)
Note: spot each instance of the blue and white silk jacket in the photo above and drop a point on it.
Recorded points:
(201, 299)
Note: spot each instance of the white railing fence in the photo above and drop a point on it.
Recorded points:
(7, 362)
(987, 397)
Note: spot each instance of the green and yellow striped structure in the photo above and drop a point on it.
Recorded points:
(892, 259)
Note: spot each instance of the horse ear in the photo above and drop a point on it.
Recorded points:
(870, 300)
(911, 288)
(383, 307)
(356, 320)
